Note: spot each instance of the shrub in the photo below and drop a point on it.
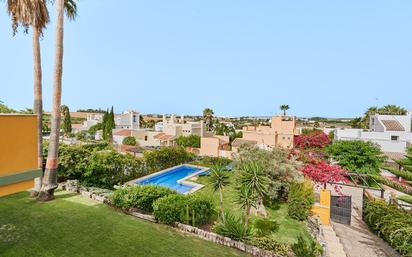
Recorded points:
(271, 244)
(300, 200)
(212, 161)
(315, 139)
(265, 226)
(192, 210)
(129, 140)
(188, 141)
(141, 197)
(232, 227)
(166, 157)
(306, 249)
(405, 198)
(392, 224)
(73, 160)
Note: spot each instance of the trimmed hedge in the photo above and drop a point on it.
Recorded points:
(166, 157)
(140, 197)
(391, 224)
(190, 209)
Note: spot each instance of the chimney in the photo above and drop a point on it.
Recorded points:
(172, 119)
(182, 119)
(202, 128)
(164, 119)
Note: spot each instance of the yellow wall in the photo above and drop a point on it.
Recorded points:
(322, 209)
(18, 149)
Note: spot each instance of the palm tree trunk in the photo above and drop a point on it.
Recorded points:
(50, 174)
(38, 106)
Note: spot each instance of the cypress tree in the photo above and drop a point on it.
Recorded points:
(66, 121)
(105, 119)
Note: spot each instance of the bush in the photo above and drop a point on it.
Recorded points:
(73, 160)
(392, 224)
(109, 168)
(265, 226)
(189, 209)
(300, 200)
(314, 139)
(212, 161)
(188, 141)
(166, 157)
(141, 197)
(306, 249)
(271, 244)
(405, 198)
(233, 227)
(129, 140)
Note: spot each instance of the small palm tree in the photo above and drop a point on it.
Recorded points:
(246, 199)
(219, 179)
(284, 108)
(208, 116)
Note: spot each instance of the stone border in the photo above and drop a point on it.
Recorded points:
(71, 186)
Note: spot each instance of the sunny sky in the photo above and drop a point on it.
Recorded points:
(238, 57)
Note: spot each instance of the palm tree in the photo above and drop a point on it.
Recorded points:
(208, 116)
(33, 14)
(246, 199)
(284, 108)
(219, 179)
(49, 183)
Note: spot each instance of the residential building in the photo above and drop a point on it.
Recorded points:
(127, 120)
(391, 132)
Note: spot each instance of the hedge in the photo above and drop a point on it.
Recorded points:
(400, 173)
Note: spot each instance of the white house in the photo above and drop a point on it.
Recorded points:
(127, 120)
(391, 132)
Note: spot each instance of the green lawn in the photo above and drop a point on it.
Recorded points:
(289, 228)
(73, 226)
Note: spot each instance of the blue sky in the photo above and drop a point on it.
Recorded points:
(239, 57)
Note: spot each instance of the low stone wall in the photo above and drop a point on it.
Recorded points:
(73, 186)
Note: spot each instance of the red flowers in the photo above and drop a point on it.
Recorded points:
(316, 139)
(322, 172)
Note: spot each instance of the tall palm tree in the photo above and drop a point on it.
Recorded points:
(284, 108)
(208, 116)
(33, 14)
(49, 183)
(219, 179)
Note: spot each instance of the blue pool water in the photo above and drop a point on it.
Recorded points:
(169, 179)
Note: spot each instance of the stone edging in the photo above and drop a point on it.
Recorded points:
(203, 234)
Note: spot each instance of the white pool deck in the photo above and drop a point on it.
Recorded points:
(184, 181)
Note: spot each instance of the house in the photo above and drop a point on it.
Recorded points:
(391, 132)
(91, 120)
(215, 146)
(281, 132)
(127, 120)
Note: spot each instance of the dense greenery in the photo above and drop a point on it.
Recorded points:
(265, 226)
(108, 124)
(394, 225)
(363, 122)
(400, 173)
(271, 244)
(390, 183)
(303, 248)
(210, 161)
(129, 140)
(356, 155)
(405, 198)
(74, 226)
(66, 123)
(188, 141)
(233, 227)
(140, 197)
(190, 209)
(300, 200)
(166, 157)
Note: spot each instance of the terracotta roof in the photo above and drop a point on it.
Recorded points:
(239, 141)
(393, 125)
(163, 137)
(123, 132)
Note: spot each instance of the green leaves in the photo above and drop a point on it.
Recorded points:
(219, 177)
(300, 200)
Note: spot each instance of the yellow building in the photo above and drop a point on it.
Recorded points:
(18, 153)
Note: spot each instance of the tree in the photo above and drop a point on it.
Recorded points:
(49, 183)
(5, 109)
(316, 139)
(219, 179)
(208, 117)
(385, 110)
(129, 140)
(66, 122)
(246, 199)
(284, 108)
(188, 141)
(321, 172)
(356, 155)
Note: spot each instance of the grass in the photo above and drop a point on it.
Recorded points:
(289, 229)
(72, 225)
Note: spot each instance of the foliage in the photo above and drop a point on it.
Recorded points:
(188, 141)
(66, 124)
(393, 184)
(271, 244)
(284, 108)
(400, 173)
(93, 129)
(83, 135)
(219, 179)
(278, 165)
(129, 140)
(251, 176)
(5, 109)
(385, 110)
(392, 224)
(405, 198)
(300, 200)
(356, 155)
(265, 226)
(211, 161)
(109, 168)
(307, 131)
(189, 209)
(232, 227)
(141, 197)
(208, 117)
(108, 124)
(306, 249)
(321, 172)
(316, 139)
(73, 160)
(92, 110)
(166, 157)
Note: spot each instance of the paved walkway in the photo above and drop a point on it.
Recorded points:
(359, 241)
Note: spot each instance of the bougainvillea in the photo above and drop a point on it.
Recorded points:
(316, 139)
(321, 172)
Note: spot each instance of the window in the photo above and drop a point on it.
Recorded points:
(373, 121)
(395, 138)
(145, 138)
(134, 118)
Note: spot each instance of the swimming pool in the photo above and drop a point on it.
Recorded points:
(175, 178)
